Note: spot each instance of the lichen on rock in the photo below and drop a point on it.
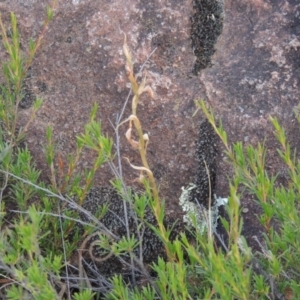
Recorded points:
(206, 156)
(198, 201)
(196, 215)
(206, 26)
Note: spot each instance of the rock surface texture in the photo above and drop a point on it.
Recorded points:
(253, 74)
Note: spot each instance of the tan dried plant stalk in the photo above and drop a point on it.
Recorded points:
(142, 143)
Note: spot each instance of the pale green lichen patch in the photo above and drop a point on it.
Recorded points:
(196, 214)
